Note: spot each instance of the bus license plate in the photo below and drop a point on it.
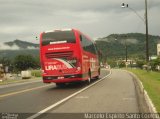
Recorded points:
(60, 77)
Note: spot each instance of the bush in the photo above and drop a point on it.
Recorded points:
(122, 64)
(36, 73)
(140, 63)
(24, 62)
(155, 63)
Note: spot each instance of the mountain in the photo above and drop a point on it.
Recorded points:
(113, 46)
(22, 44)
(17, 47)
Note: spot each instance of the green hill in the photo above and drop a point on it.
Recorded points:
(113, 46)
(18, 47)
(22, 44)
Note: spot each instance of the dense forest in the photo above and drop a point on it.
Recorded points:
(112, 49)
(114, 45)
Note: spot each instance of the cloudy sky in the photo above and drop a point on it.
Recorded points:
(25, 19)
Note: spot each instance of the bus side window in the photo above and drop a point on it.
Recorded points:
(80, 38)
(83, 43)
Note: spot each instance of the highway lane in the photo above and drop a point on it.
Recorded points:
(33, 97)
(5, 89)
(115, 94)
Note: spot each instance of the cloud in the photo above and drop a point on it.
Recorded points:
(132, 41)
(32, 48)
(6, 47)
(3, 46)
(22, 19)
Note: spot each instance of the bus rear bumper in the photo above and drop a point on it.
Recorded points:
(64, 79)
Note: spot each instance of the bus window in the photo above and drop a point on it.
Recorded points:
(58, 37)
(87, 45)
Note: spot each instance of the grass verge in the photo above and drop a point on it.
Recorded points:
(36, 74)
(151, 83)
(9, 81)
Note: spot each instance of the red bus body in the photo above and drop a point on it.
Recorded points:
(67, 59)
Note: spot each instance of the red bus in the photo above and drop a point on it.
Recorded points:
(68, 55)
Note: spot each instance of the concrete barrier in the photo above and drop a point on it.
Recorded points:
(144, 102)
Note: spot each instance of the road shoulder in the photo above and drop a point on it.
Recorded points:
(145, 103)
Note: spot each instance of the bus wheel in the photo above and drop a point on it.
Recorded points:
(97, 77)
(60, 84)
(89, 78)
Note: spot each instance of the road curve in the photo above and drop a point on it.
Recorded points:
(32, 97)
(115, 94)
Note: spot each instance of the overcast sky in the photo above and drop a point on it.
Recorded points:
(25, 19)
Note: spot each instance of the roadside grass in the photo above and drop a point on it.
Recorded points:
(9, 81)
(151, 83)
(36, 74)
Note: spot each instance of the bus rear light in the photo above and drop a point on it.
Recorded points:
(78, 68)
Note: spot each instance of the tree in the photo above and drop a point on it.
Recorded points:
(24, 62)
(5, 63)
(112, 63)
(140, 63)
(154, 63)
(121, 64)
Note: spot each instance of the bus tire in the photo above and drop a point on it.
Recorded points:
(99, 72)
(89, 77)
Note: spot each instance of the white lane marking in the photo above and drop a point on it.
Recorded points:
(22, 91)
(81, 97)
(19, 83)
(65, 99)
(129, 99)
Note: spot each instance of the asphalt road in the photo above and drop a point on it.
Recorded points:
(114, 94)
(30, 98)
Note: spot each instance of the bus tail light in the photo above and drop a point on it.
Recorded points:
(78, 65)
(78, 68)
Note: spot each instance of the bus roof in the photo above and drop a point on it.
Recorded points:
(58, 30)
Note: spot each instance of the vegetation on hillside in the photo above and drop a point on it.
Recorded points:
(113, 46)
(112, 49)
(22, 44)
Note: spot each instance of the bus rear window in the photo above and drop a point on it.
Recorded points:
(58, 37)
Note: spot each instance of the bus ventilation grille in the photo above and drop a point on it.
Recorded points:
(59, 54)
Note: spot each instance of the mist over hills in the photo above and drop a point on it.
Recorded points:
(112, 46)
(17, 47)
(18, 44)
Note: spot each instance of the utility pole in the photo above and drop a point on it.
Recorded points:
(146, 22)
(126, 49)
